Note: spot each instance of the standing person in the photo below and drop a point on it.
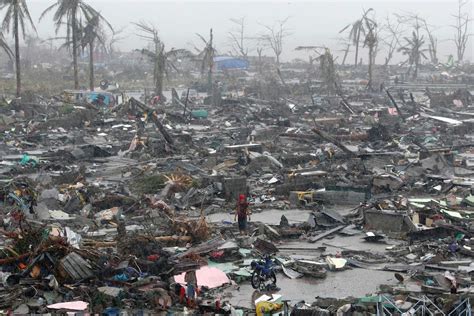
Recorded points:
(191, 287)
(242, 212)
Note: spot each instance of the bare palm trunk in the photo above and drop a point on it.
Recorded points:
(74, 49)
(160, 86)
(209, 75)
(260, 66)
(345, 54)
(415, 72)
(159, 70)
(211, 62)
(160, 77)
(356, 60)
(91, 65)
(371, 53)
(17, 52)
(209, 79)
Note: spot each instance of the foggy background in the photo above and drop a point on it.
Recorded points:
(310, 22)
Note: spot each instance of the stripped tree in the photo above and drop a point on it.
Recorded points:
(327, 69)
(206, 55)
(238, 39)
(462, 34)
(162, 60)
(357, 29)
(392, 40)
(274, 36)
(433, 42)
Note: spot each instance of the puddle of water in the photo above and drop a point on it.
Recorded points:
(356, 283)
(271, 217)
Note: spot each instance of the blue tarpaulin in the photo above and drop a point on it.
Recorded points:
(93, 96)
(226, 62)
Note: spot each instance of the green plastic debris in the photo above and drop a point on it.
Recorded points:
(200, 114)
(459, 236)
(370, 299)
(26, 159)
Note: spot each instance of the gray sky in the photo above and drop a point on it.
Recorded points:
(310, 22)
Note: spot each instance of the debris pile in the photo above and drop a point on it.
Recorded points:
(132, 207)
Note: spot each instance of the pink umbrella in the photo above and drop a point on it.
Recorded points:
(206, 276)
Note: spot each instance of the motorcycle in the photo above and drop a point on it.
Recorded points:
(263, 271)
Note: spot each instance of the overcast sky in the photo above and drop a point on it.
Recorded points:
(310, 22)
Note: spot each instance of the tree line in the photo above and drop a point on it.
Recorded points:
(85, 29)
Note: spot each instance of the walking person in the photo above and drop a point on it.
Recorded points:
(242, 214)
(191, 288)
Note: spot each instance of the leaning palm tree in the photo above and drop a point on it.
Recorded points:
(162, 60)
(15, 17)
(69, 13)
(206, 55)
(92, 32)
(357, 29)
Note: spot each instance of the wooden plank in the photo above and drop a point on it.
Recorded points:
(326, 233)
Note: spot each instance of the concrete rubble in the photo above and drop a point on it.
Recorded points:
(364, 201)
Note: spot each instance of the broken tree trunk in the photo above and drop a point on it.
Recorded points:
(162, 129)
(334, 141)
(154, 117)
(396, 105)
(174, 97)
(344, 102)
(186, 103)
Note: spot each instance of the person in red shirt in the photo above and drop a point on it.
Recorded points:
(242, 213)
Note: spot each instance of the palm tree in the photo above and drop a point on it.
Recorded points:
(371, 41)
(162, 60)
(414, 47)
(91, 33)
(69, 12)
(358, 28)
(206, 56)
(414, 50)
(17, 13)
